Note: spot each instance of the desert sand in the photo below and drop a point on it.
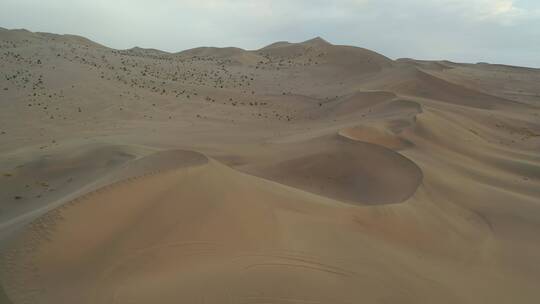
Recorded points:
(297, 173)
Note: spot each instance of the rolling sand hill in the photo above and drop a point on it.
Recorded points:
(297, 173)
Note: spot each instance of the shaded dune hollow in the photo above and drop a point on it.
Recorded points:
(393, 118)
(359, 102)
(354, 172)
(374, 135)
(420, 83)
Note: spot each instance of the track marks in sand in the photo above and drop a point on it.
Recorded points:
(19, 263)
(116, 238)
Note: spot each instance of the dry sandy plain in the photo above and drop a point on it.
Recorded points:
(297, 173)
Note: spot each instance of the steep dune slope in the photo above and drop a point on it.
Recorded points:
(207, 233)
(413, 81)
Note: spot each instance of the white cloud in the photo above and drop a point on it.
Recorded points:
(469, 30)
(504, 12)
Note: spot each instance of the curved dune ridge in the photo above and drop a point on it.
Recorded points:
(394, 117)
(200, 231)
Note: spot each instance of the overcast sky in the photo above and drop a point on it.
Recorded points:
(496, 31)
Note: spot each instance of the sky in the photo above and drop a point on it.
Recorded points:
(495, 31)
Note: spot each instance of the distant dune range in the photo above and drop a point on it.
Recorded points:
(297, 173)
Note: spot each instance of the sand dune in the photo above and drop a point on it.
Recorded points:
(355, 172)
(185, 233)
(374, 135)
(297, 173)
